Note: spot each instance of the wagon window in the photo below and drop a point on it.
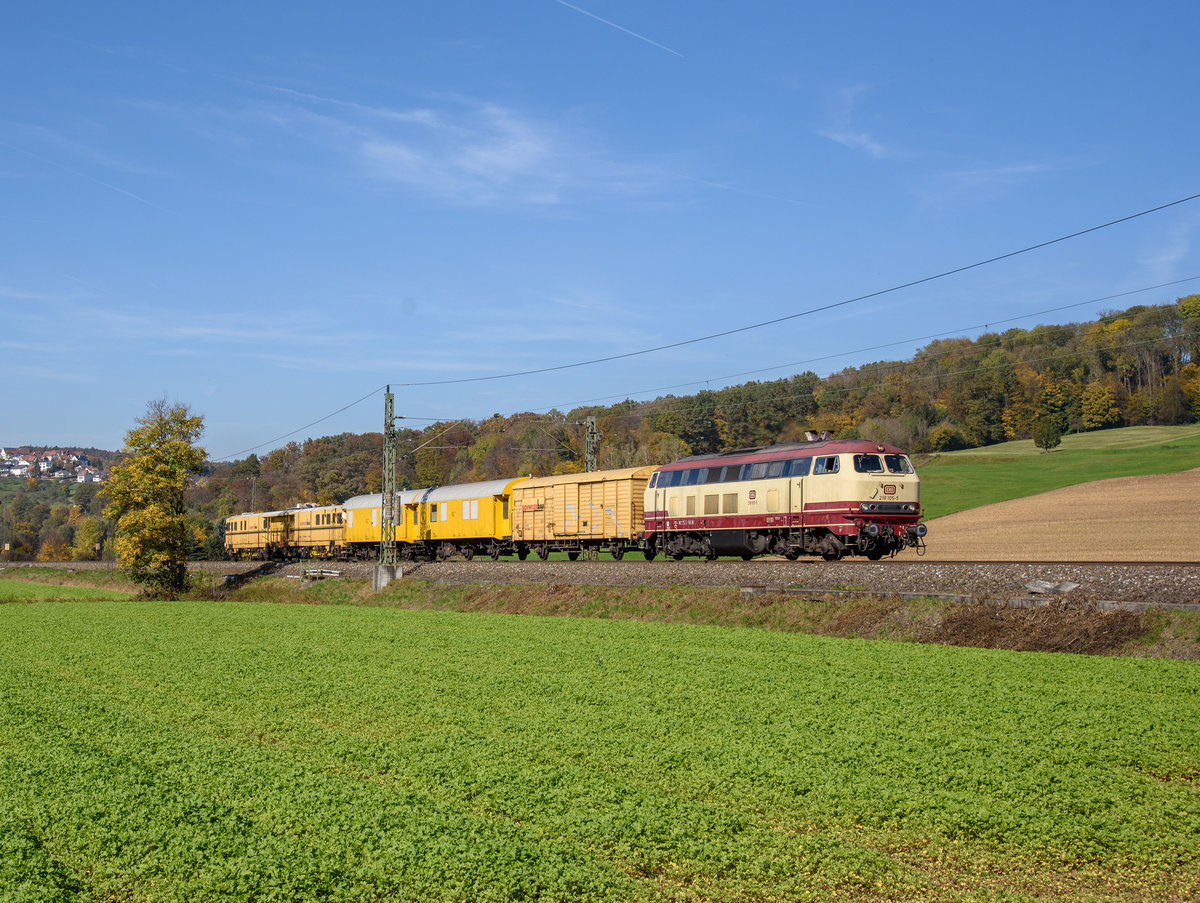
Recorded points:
(898, 464)
(442, 513)
(433, 512)
(868, 464)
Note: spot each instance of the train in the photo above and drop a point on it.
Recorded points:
(823, 497)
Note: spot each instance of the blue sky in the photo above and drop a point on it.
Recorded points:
(270, 210)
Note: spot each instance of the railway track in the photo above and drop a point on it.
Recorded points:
(1157, 583)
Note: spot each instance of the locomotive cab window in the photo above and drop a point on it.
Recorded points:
(898, 464)
(868, 464)
(826, 465)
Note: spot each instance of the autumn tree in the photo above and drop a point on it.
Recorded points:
(146, 493)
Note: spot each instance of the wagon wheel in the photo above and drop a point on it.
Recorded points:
(618, 552)
(573, 556)
(543, 552)
(494, 551)
(469, 553)
(522, 554)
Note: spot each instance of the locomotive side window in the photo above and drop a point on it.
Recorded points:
(732, 474)
(826, 465)
(713, 475)
(758, 471)
(868, 464)
(898, 464)
(712, 504)
(775, 468)
(729, 503)
(799, 467)
(691, 505)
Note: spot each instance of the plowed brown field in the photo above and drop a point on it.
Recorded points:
(1154, 518)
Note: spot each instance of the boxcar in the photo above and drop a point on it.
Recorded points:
(580, 513)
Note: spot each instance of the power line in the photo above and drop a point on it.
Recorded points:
(741, 329)
(803, 313)
(718, 379)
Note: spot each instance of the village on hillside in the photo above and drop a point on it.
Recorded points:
(53, 464)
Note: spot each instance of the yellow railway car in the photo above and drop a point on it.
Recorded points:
(364, 522)
(468, 519)
(307, 531)
(313, 532)
(580, 513)
(246, 535)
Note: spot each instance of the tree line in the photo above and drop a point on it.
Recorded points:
(1135, 366)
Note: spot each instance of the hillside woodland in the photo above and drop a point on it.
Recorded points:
(1130, 367)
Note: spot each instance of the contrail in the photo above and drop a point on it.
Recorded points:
(640, 37)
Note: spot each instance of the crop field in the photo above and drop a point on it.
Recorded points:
(231, 751)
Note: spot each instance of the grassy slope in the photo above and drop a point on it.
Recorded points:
(201, 751)
(956, 481)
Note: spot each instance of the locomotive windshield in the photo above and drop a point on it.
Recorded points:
(876, 464)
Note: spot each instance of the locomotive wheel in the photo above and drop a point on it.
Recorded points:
(832, 555)
(875, 554)
(747, 556)
(678, 556)
(791, 554)
(649, 552)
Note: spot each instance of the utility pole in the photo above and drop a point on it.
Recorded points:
(592, 445)
(386, 572)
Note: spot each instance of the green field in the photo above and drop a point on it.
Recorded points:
(231, 751)
(956, 481)
(15, 590)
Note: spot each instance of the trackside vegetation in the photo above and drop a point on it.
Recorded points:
(230, 751)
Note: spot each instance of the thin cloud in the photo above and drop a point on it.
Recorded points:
(845, 131)
(640, 37)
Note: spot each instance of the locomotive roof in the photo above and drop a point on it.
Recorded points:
(786, 450)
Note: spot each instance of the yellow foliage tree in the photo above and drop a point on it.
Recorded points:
(146, 493)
